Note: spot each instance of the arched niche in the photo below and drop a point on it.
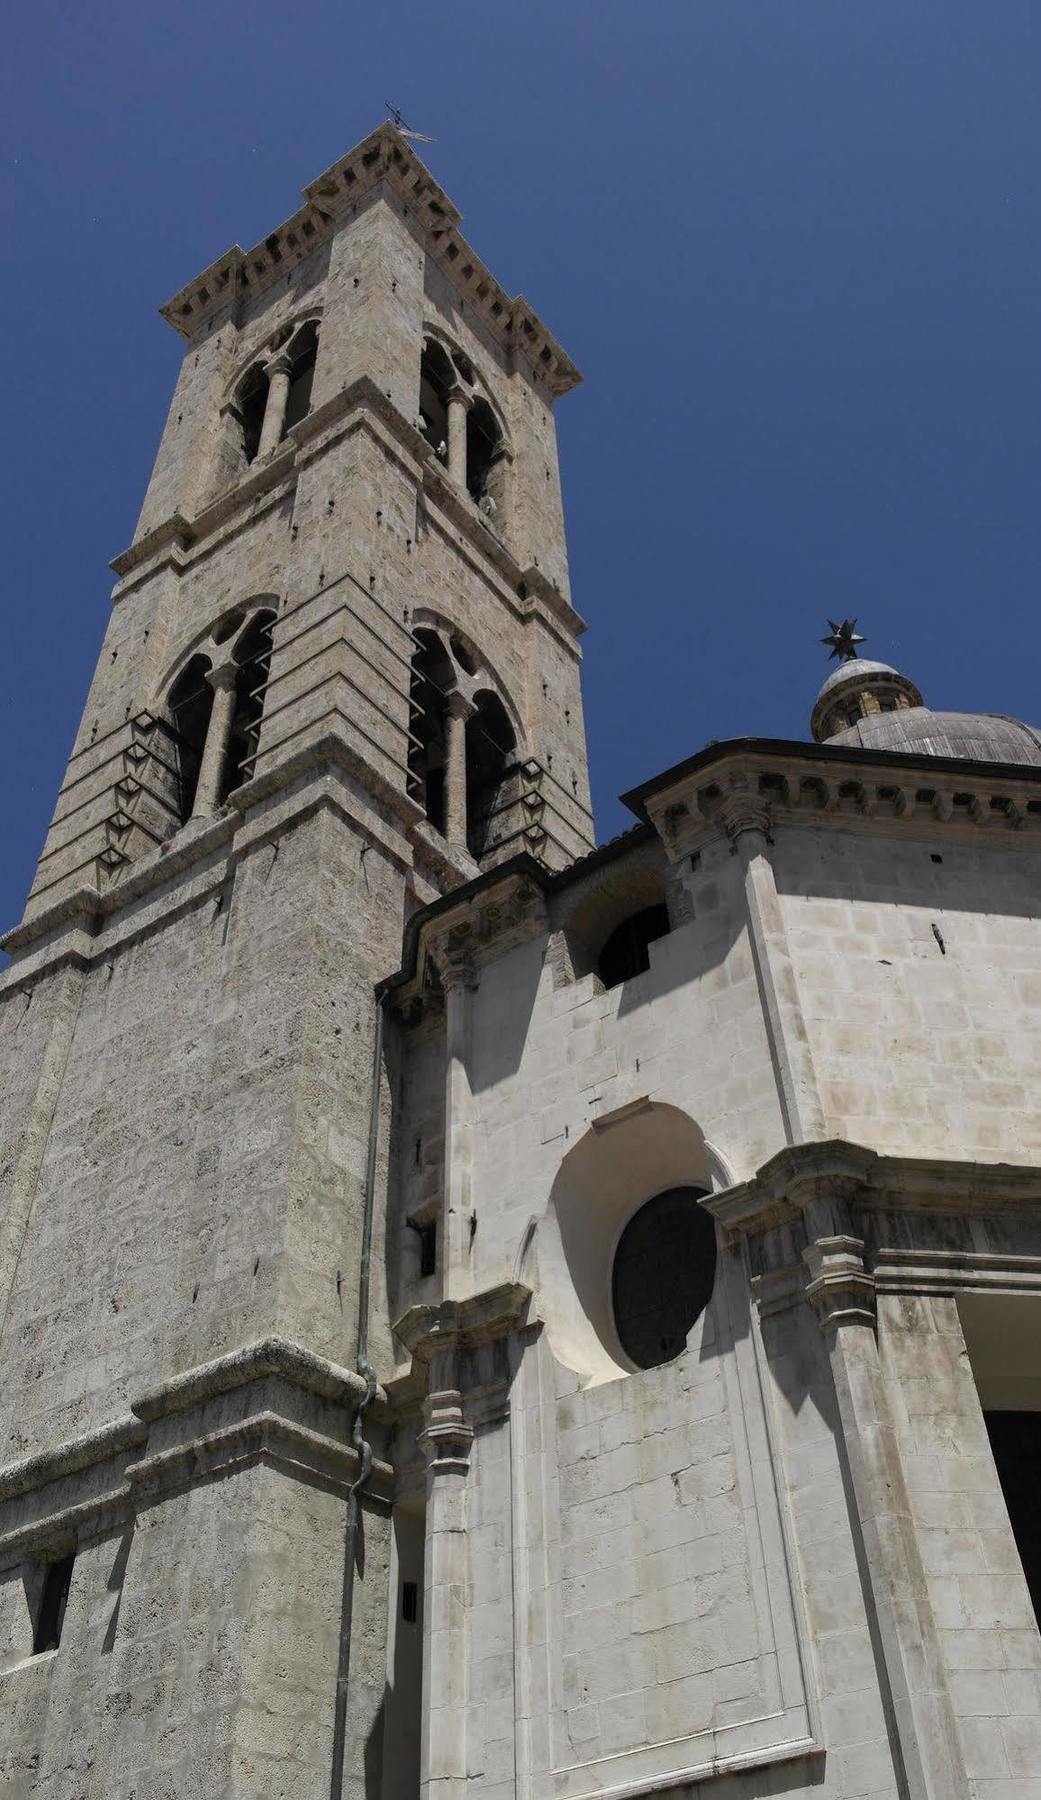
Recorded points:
(602, 1183)
(598, 923)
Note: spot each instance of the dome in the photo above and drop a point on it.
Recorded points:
(856, 668)
(918, 731)
(859, 688)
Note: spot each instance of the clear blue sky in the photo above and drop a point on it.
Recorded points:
(793, 245)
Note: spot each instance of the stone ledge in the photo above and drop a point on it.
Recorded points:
(270, 1356)
(263, 1434)
(38, 1471)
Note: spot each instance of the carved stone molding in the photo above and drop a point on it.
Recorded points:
(840, 1288)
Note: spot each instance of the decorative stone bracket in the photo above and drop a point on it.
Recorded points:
(459, 1358)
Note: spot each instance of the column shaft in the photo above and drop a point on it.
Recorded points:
(458, 712)
(275, 410)
(211, 770)
(458, 407)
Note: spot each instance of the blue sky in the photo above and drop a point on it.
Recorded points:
(793, 245)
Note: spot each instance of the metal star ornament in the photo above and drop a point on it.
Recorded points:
(843, 638)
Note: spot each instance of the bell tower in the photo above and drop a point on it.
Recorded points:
(341, 678)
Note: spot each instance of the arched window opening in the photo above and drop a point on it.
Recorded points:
(663, 1275)
(483, 448)
(303, 354)
(189, 706)
(436, 381)
(249, 407)
(252, 654)
(627, 951)
(490, 746)
(432, 676)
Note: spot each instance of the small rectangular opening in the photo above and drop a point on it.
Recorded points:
(410, 1601)
(54, 1595)
(426, 1243)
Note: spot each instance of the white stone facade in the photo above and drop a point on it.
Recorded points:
(259, 1025)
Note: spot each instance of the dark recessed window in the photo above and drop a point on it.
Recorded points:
(664, 1270)
(54, 1595)
(627, 950)
(410, 1601)
(1015, 1439)
(426, 1235)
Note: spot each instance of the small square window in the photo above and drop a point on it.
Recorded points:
(426, 1236)
(50, 1614)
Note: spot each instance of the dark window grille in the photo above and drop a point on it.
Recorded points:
(663, 1275)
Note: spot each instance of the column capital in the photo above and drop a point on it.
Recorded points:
(281, 364)
(460, 395)
(458, 706)
(223, 676)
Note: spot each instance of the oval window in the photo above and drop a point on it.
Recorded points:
(664, 1270)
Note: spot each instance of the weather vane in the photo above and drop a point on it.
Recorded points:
(843, 638)
(420, 137)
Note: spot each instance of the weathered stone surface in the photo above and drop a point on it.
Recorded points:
(781, 1562)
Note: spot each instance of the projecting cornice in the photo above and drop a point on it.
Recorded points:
(385, 156)
(756, 783)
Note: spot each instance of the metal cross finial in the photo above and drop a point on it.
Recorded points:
(406, 130)
(844, 638)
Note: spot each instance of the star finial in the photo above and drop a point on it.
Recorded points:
(843, 638)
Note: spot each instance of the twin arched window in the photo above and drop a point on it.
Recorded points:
(274, 394)
(214, 709)
(461, 745)
(460, 425)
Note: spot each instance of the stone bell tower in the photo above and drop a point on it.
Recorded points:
(341, 678)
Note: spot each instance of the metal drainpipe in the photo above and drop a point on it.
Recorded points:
(358, 1439)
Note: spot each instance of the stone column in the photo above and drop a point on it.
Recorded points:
(842, 1292)
(275, 411)
(207, 790)
(457, 1205)
(746, 819)
(457, 712)
(446, 1438)
(458, 408)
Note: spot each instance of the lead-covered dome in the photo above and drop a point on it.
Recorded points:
(918, 731)
(870, 706)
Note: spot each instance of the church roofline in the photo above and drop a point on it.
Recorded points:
(384, 155)
(799, 750)
(795, 753)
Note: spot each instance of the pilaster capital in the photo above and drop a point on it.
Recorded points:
(446, 1437)
(453, 953)
(840, 1289)
(742, 811)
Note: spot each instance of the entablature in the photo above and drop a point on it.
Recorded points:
(757, 783)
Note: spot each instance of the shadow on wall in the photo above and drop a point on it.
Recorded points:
(502, 1017)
